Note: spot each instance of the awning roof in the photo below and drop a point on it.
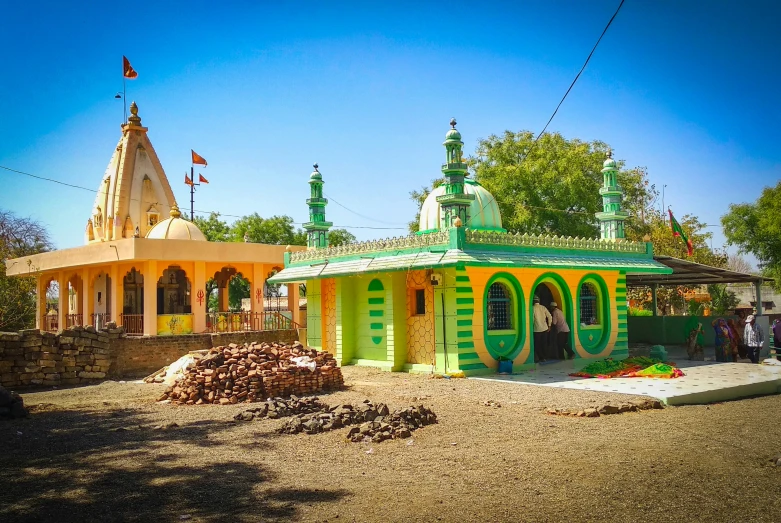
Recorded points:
(452, 257)
(690, 273)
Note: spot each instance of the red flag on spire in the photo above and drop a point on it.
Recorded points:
(187, 180)
(198, 159)
(127, 69)
(202, 179)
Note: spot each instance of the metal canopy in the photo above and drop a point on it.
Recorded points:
(690, 273)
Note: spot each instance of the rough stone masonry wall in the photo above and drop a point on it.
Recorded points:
(30, 358)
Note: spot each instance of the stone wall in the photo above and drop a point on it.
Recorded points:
(75, 356)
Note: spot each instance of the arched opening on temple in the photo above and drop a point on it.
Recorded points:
(101, 290)
(173, 292)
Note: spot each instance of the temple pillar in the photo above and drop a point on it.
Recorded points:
(86, 298)
(256, 295)
(62, 309)
(40, 302)
(654, 303)
(198, 299)
(115, 297)
(150, 298)
(292, 302)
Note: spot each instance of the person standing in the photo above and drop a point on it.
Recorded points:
(559, 323)
(753, 339)
(542, 323)
(723, 341)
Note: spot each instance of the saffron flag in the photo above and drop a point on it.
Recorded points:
(678, 231)
(202, 179)
(198, 159)
(187, 180)
(127, 69)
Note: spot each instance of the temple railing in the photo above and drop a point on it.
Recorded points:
(248, 321)
(50, 323)
(74, 320)
(133, 324)
(555, 242)
(389, 244)
(99, 319)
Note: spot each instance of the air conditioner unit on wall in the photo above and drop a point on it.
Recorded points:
(436, 278)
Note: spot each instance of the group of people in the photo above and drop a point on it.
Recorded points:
(551, 332)
(741, 338)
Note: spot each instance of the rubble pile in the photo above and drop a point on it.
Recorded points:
(604, 410)
(11, 405)
(370, 422)
(253, 372)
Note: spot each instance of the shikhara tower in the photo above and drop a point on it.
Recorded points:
(317, 228)
(611, 219)
(455, 202)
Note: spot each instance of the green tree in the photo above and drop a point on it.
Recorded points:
(277, 230)
(756, 228)
(19, 237)
(723, 300)
(213, 228)
(337, 237)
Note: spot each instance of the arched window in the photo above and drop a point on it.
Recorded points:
(589, 308)
(499, 308)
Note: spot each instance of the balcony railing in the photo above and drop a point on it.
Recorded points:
(248, 321)
(133, 324)
(74, 320)
(50, 323)
(99, 319)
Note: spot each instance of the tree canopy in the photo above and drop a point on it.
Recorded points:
(756, 228)
(19, 237)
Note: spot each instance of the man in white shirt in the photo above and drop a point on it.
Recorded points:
(562, 332)
(542, 323)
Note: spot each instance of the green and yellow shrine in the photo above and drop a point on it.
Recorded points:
(458, 295)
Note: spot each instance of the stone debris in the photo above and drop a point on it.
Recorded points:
(604, 410)
(11, 405)
(370, 422)
(253, 372)
(491, 403)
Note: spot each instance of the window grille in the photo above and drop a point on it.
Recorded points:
(589, 312)
(420, 301)
(499, 307)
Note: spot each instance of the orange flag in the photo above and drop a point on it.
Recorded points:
(127, 69)
(187, 180)
(198, 159)
(202, 179)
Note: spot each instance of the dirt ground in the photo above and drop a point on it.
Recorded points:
(98, 453)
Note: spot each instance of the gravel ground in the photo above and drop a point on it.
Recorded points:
(98, 453)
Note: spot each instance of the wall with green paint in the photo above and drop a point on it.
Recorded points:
(371, 340)
(396, 321)
(314, 331)
(670, 330)
(345, 319)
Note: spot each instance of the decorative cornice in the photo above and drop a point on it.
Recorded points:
(555, 242)
(389, 244)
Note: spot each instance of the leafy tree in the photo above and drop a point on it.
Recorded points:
(238, 289)
(738, 263)
(722, 299)
(756, 228)
(277, 230)
(19, 237)
(337, 237)
(213, 228)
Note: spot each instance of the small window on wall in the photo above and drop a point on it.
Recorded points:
(589, 310)
(420, 301)
(499, 311)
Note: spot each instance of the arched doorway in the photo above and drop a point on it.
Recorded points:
(551, 288)
(101, 298)
(174, 309)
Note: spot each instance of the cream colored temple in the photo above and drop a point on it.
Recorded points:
(145, 267)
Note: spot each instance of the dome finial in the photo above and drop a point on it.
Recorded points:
(610, 153)
(134, 118)
(453, 122)
(315, 166)
(175, 211)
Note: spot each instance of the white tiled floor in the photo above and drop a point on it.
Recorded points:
(704, 382)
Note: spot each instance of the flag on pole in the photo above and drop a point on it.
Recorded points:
(187, 180)
(127, 69)
(678, 231)
(198, 159)
(202, 179)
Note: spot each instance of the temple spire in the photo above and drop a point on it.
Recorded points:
(455, 202)
(317, 228)
(611, 219)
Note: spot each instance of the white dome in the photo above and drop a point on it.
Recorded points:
(484, 212)
(175, 228)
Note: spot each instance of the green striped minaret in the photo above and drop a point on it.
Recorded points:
(317, 228)
(455, 202)
(611, 219)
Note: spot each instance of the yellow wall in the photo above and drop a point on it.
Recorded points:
(420, 328)
(479, 277)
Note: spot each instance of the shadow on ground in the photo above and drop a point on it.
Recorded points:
(111, 466)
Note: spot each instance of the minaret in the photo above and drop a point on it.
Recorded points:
(455, 202)
(611, 219)
(317, 228)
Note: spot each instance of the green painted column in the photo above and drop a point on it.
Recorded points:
(314, 320)
(654, 302)
(396, 326)
(758, 288)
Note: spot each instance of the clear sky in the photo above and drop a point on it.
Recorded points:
(366, 89)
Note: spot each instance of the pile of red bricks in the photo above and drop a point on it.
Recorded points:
(253, 372)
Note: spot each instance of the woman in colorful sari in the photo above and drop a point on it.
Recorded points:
(734, 337)
(723, 342)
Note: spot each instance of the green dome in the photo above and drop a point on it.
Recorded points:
(453, 136)
(484, 212)
(315, 176)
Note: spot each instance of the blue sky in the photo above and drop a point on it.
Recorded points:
(366, 89)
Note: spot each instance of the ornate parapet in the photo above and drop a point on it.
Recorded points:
(553, 242)
(358, 248)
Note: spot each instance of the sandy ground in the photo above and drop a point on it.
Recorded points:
(97, 454)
